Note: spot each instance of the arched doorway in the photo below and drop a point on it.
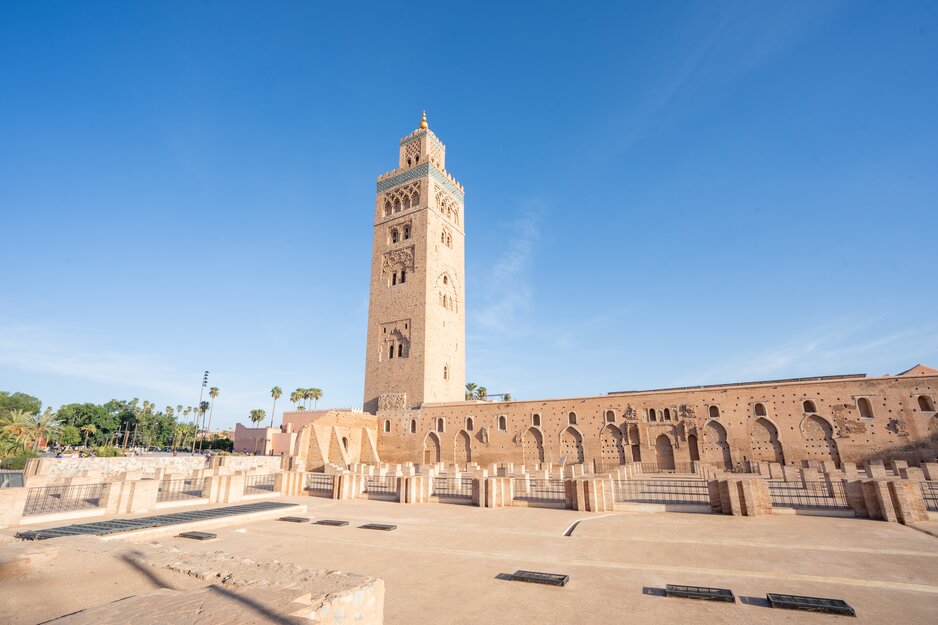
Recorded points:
(664, 453)
(636, 443)
(571, 446)
(819, 440)
(717, 448)
(693, 447)
(611, 447)
(533, 446)
(764, 442)
(431, 449)
(462, 453)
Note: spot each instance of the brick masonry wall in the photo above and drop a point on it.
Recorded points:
(835, 431)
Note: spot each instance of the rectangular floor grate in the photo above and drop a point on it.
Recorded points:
(198, 535)
(103, 528)
(534, 577)
(700, 592)
(294, 519)
(810, 604)
(378, 526)
(332, 522)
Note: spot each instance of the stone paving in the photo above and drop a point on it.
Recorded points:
(445, 563)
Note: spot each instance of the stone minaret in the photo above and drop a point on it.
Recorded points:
(417, 312)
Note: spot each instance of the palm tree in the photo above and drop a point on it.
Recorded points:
(16, 426)
(200, 419)
(275, 392)
(257, 415)
(43, 426)
(470, 390)
(506, 397)
(316, 395)
(213, 393)
(482, 393)
(87, 429)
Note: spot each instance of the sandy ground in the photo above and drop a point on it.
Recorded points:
(442, 565)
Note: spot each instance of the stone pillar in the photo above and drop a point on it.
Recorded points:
(714, 491)
(930, 470)
(12, 504)
(913, 474)
(898, 466)
(850, 471)
(853, 491)
(908, 501)
(143, 496)
(592, 494)
(754, 497)
(875, 470)
(878, 500)
(234, 487)
(809, 475)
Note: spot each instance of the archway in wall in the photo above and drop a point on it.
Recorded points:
(764, 442)
(636, 443)
(462, 453)
(717, 448)
(611, 447)
(693, 447)
(571, 446)
(664, 453)
(819, 440)
(533, 447)
(431, 449)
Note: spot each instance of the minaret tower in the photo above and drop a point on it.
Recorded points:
(416, 314)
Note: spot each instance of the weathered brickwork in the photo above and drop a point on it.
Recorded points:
(618, 427)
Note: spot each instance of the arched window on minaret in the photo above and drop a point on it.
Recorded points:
(400, 350)
(403, 276)
(394, 235)
(391, 350)
(406, 232)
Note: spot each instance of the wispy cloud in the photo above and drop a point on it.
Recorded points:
(41, 350)
(507, 294)
(841, 346)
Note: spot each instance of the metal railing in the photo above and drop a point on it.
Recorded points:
(808, 495)
(661, 491)
(176, 490)
(452, 487)
(539, 489)
(320, 482)
(259, 484)
(11, 479)
(383, 485)
(930, 495)
(50, 499)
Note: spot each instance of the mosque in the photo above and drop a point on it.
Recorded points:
(414, 407)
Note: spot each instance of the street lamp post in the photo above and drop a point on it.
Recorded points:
(201, 391)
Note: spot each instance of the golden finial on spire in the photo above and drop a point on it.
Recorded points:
(423, 121)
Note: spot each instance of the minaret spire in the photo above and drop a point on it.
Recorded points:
(423, 121)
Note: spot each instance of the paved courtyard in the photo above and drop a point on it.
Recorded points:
(442, 564)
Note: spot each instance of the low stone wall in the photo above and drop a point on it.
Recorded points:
(106, 468)
(249, 463)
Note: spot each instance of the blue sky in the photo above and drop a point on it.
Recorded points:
(658, 194)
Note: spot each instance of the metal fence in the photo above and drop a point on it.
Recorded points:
(452, 487)
(320, 482)
(534, 489)
(930, 494)
(661, 491)
(11, 479)
(259, 484)
(176, 490)
(50, 499)
(808, 495)
(383, 485)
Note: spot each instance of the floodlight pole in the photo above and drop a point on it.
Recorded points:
(198, 408)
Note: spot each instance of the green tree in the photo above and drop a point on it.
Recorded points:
(316, 394)
(482, 392)
(471, 390)
(275, 392)
(18, 401)
(257, 415)
(507, 396)
(68, 435)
